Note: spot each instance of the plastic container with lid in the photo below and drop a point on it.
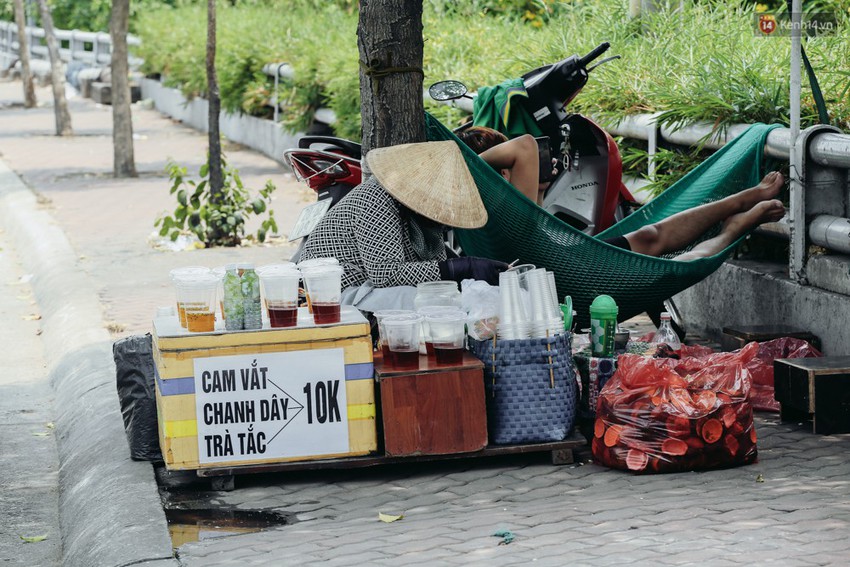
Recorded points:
(603, 325)
(442, 293)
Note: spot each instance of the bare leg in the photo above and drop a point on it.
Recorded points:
(679, 230)
(734, 227)
(519, 157)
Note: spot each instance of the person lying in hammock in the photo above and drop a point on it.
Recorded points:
(517, 161)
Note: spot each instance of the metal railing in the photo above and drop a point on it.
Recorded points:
(826, 149)
(92, 48)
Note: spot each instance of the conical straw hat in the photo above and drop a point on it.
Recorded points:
(431, 179)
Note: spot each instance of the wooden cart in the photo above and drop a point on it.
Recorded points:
(313, 397)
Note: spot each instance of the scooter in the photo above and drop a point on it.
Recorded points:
(588, 191)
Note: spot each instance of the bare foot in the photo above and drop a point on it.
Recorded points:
(768, 188)
(734, 227)
(762, 212)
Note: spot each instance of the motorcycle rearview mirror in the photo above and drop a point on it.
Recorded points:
(447, 90)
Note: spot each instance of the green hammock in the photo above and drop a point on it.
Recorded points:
(584, 266)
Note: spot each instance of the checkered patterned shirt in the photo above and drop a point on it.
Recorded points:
(366, 232)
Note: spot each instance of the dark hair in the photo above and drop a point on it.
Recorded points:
(481, 138)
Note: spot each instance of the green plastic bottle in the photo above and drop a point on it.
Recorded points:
(603, 325)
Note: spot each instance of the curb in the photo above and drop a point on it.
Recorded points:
(109, 507)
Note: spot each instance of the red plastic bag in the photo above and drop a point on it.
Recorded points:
(668, 415)
(761, 368)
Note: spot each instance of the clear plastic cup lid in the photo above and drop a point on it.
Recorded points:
(188, 271)
(324, 269)
(380, 315)
(314, 262)
(275, 267)
(199, 280)
(446, 316)
(279, 272)
(401, 319)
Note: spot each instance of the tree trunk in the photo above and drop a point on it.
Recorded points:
(24, 53)
(216, 179)
(389, 37)
(124, 162)
(57, 77)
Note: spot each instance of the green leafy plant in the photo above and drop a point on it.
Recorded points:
(217, 220)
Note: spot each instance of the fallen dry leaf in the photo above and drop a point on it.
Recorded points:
(387, 518)
(31, 317)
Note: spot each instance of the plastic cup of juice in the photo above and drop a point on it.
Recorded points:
(403, 340)
(280, 289)
(197, 297)
(324, 287)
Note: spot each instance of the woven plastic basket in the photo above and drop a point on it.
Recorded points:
(529, 398)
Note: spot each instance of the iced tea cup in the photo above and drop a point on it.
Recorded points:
(426, 344)
(324, 287)
(180, 274)
(280, 290)
(448, 336)
(197, 296)
(403, 340)
(382, 335)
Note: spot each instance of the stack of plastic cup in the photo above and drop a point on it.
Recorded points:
(182, 274)
(447, 336)
(426, 345)
(382, 335)
(279, 286)
(545, 321)
(513, 321)
(196, 295)
(521, 270)
(402, 332)
(557, 317)
(324, 289)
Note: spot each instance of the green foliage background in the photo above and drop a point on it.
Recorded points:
(701, 62)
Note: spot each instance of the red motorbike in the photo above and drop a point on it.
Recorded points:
(587, 191)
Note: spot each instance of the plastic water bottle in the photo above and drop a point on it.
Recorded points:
(665, 333)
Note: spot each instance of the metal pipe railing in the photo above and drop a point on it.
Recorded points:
(100, 42)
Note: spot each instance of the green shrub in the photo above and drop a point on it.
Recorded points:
(215, 220)
(703, 62)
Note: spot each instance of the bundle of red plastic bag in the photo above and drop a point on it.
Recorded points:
(761, 368)
(667, 415)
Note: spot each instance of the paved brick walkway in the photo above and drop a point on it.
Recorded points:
(575, 514)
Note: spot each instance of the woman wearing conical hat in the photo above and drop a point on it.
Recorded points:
(390, 230)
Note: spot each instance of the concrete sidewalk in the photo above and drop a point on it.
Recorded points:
(84, 236)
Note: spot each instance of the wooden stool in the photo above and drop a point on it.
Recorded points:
(816, 388)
